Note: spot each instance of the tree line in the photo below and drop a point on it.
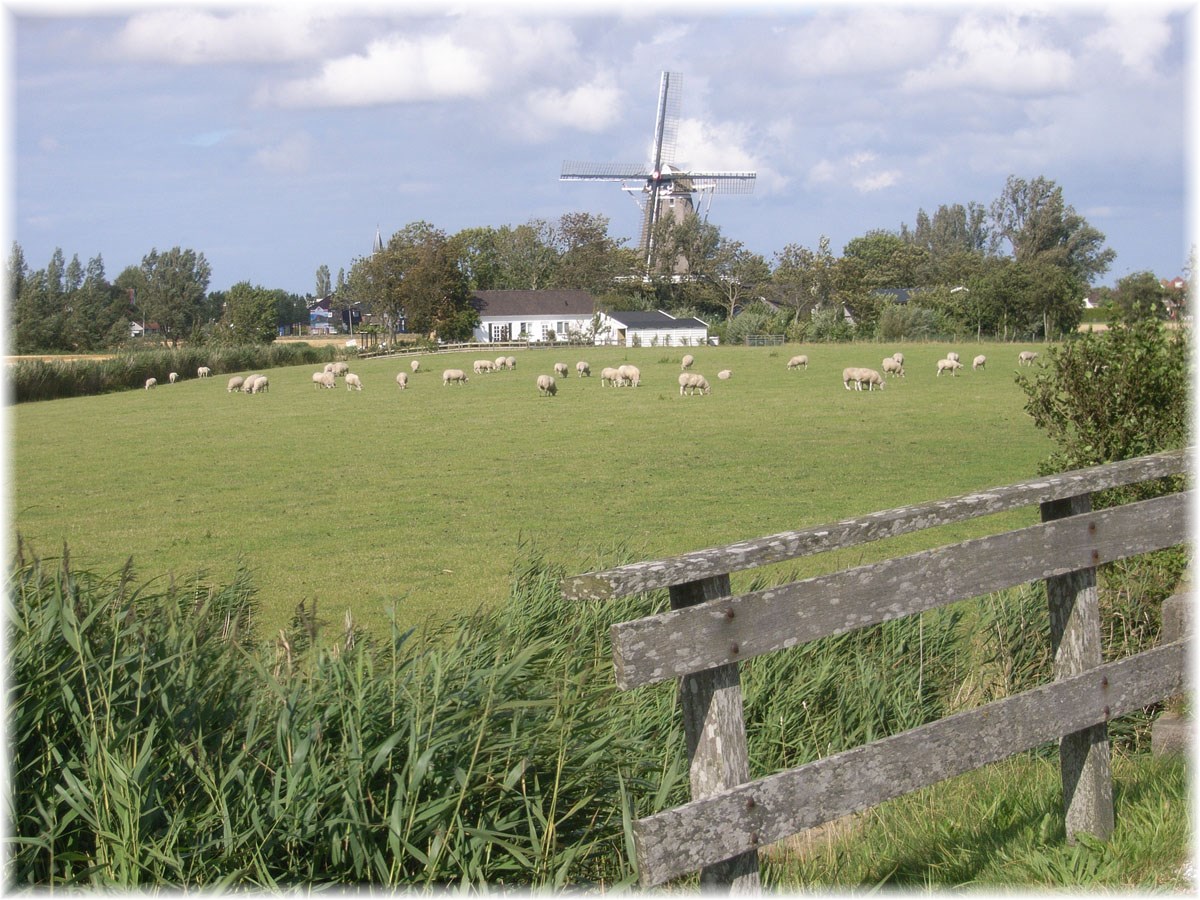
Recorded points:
(1017, 268)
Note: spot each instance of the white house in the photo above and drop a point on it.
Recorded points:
(654, 328)
(534, 315)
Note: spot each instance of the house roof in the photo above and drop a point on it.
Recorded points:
(654, 318)
(576, 304)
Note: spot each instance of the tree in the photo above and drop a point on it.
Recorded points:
(883, 259)
(587, 256)
(172, 290)
(803, 279)
(324, 283)
(737, 274)
(250, 314)
(1140, 296)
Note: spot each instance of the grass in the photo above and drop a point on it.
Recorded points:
(422, 499)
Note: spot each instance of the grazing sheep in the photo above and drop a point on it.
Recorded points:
(691, 382)
(510, 362)
(860, 376)
(684, 380)
(797, 361)
(687, 362)
(952, 356)
(173, 377)
(235, 384)
(414, 365)
(248, 383)
(949, 365)
(353, 382)
(402, 380)
(898, 357)
(329, 368)
(872, 379)
(891, 366)
(630, 376)
(725, 374)
(978, 362)
(151, 382)
(560, 369)
(609, 376)
(340, 369)
(483, 366)
(583, 369)
(203, 372)
(1026, 358)
(454, 376)
(501, 363)
(323, 379)
(256, 384)
(547, 385)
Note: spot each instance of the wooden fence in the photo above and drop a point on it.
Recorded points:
(707, 632)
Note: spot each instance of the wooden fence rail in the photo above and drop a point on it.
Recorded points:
(708, 631)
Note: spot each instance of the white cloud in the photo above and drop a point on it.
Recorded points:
(1007, 55)
(289, 156)
(863, 41)
(194, 37)
(589, 107)
(860, 170)
(1136, 36)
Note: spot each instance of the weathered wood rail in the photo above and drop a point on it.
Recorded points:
(708, 631)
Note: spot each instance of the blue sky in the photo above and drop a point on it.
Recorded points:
(276, 139)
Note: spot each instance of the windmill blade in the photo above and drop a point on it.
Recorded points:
(586, 171)
(722, 182)
(666, 120)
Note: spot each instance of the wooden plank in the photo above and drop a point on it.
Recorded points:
(775, 548)
(681, 840)
(1084, 756)
(715, 730)
(734, 629)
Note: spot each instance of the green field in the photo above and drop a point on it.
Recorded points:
(424, 498)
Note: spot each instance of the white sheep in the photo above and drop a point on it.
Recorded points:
(949, 365)
(560, 369)
(687, 362)
(978, 362)
(340, 369)
(898, 357)
(583, 369)
(329, 368)
(256, 384)
(323, 379)
(414, 365)
(684, 380)
(691, 382)
(235, 384)
(501, 363)
(151, 382)
(609, 376)
(725, 374)
(203, 372)
(859, 376)
(1026, 358)
(402, 380)
(510, 362)
(483, 366)
(872, 379)
(173, 377)
(797, 361)
(547, 385)
(952, 356)
(630, 376)
(892, 366)
(454, 376)
(849, 374)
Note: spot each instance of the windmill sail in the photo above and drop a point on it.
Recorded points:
(665, 188)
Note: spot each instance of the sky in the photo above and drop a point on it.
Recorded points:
(275, 139)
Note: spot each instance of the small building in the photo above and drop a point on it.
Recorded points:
(551, 316)
(654, 328)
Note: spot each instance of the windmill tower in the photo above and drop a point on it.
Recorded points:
(660, 188)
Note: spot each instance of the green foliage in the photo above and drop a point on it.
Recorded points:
(250, 314)
(829, 325)
(908, 321)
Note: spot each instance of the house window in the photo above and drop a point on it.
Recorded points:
(561, 331)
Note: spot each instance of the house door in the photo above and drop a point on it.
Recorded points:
(501, 332)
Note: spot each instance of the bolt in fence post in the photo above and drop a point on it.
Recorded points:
(1084, 756)
(715, 729)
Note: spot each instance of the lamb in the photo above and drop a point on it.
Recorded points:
(629, 376)
(797, 361)
(898, 357)
(949, 365)
(173, 377)
(725, 374)
(402, 380)
(583, 369)
(609, 376)
(547, 385)
(414, 365)
(978, 362)
(952, 356)
(235, 384)
(454, 376)
(323, 379)
(1026, 358)
(892, 366)
(687, 362)
(353, 382)
(483, 366)
(560, 369)
(203, 372)
(151, 382)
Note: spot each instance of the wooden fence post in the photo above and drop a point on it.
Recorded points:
(715, 729)
(1084, 756)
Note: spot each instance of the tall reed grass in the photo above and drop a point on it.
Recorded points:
(159, 739)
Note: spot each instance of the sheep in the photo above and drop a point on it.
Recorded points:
(547, 385)
(796, 362)
(151, 382)
(329, 368)
(414, 365)
(978, 362)
(849, 374)
(952, 356)
(510, 362)
(871, 378)
(725, 374)
(891, 366)
(173, 377)
(483, 366)
(583, 369)
(684, 380)
(353, 382)
(691, 382)
(322, 379)
(898, 357)
(860, 375)
(340, 369)
(402, 380)
(454, 376)
(203, 372)
(249, 382)
(687, 362)
(1026, 358)
(949, 365)
(609, 376)
(501, 363)
(629, 376)
(560, 369)
(235, 384)
(256, 384)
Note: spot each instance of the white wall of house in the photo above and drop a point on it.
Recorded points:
(533, 328)
(671, 337)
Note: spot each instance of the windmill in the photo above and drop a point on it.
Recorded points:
(661, 188)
